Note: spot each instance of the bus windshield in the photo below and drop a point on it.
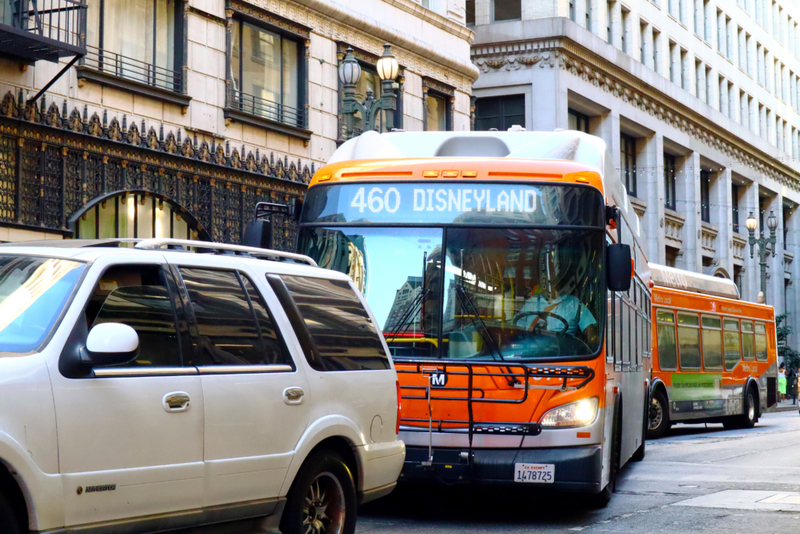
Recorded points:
(500, 293)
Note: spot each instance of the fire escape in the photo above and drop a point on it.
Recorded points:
(33, 30)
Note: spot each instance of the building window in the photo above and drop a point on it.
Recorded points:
(572, 10)
(265, 74)
(670, 180)
(625, 41)
(705, 196)
(578, 121)
(500, 112)
(735, 207)
(438, 106)
(470, 13)
(588, 14)
(136, 40)
(627, 159)
(507, 10)
(610, 21)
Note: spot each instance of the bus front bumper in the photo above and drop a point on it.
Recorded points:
(575, 468)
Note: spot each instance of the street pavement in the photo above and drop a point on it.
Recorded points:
(698, 478)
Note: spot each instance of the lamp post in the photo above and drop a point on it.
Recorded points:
(752, 224)
(350, 73)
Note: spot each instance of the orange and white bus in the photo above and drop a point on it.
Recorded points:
(507, 274)
(715, 356)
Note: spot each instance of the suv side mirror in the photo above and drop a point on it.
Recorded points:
(619, 267)
(110, 344)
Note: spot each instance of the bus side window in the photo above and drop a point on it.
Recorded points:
(748, 341)
(665, 332)
(619, 331)
(733, 351)
(712, 342)
(689, 340)
(610, 329)
(627, 347)
(761, 342)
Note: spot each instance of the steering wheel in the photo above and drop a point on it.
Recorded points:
(541, 314)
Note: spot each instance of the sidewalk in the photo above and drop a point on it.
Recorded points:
(786, 406)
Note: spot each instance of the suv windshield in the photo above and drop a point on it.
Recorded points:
(33, 292)
(474, 293)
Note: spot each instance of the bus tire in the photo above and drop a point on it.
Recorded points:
(750, 416)
(658, 416)
(638, 455)
(601, 500)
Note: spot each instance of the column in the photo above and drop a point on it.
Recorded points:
(608, 130)
(722, 216)
(751, 281)
(650, 171)
(688, 199)
(549, 101)
(793, 292)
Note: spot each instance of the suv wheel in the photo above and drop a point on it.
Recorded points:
(8, 519)
(322, 499)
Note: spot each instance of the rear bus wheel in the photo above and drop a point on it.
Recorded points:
(748, 418)
(659, 416)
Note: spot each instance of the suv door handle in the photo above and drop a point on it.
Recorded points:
(293, 395)
(177, 401)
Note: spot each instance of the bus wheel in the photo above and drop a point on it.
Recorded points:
(659, 416)
(601, 500)
(750, 415)
(638, 455)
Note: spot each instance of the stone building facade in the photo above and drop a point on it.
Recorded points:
(697, 99)
(178, 116)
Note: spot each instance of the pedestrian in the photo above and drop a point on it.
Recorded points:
(791, 385)
(782, 382)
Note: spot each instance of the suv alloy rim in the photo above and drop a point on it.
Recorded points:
(324, 508)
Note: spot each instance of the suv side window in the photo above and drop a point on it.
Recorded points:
(233, 325)
(343, 334)
(139, 296)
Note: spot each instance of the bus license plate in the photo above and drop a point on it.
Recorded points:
(535, 473)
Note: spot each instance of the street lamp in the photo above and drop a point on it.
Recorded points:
(752, 224)
(349, 74)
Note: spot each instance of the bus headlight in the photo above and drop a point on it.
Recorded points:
(579, 413)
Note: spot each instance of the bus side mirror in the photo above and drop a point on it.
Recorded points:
(258, 233)
(618, 267)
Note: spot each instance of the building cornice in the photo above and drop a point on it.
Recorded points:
(338, 23)
(564, 53)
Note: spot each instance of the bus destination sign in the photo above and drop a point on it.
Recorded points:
(454, 203)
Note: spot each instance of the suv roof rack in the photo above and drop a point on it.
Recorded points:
(171, 244)
(221, 248)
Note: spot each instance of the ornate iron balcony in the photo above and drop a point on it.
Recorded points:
(42, 29)
(135, 70)
(267, 109)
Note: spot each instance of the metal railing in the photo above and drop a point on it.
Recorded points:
(136, 70)
(59, 20)
(267, 109)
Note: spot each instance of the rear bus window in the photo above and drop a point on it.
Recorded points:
(665, 332)
(733, 351)
(761, 342)
(340, 327)
(689, 341)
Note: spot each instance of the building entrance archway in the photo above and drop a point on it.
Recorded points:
(135, 214)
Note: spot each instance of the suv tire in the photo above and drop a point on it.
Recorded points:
(322, 499)
(8, 519)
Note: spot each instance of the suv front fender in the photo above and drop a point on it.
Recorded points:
(43, 492)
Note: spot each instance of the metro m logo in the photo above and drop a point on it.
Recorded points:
(438, 379)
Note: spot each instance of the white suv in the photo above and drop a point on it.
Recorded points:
(147, 388)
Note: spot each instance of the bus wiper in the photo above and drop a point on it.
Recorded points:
(472, 311)
(417, 302)
(408, 315)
